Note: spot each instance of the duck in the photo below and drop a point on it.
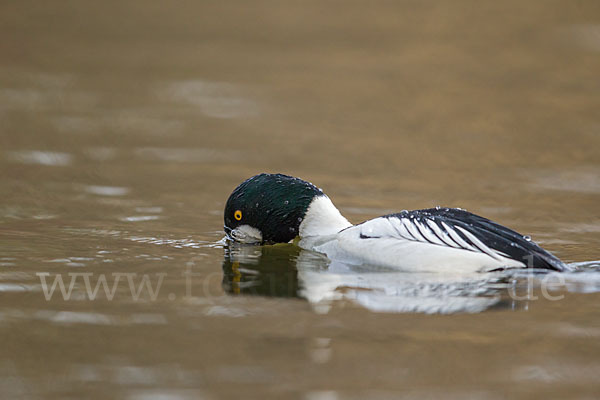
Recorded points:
(268, 209)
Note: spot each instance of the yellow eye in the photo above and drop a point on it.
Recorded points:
(237, 215)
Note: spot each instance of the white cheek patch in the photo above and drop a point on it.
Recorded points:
(246, 234)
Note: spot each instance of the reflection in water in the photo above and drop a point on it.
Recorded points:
(288, 271)
(285, 270)
(261, 270)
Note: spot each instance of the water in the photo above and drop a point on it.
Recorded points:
(126, 125)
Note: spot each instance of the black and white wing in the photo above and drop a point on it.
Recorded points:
(443, 236)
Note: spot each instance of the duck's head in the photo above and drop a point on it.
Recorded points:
(268, 208)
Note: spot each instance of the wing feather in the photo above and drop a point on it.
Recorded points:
(401, 229)
(457, 238)
(459, 229)
(428, 234)
(456, 228)
(410, 226)
(443, 235)
(478, 243)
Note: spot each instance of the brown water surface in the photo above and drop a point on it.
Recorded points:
(124, 126)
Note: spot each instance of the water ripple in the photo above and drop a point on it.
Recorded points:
(214, 99)
(49, 158)
(107, 190)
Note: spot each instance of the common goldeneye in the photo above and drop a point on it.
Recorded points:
(276, 208)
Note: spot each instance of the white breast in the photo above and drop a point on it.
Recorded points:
(322, 218)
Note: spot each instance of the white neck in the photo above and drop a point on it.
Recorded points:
(322, 218)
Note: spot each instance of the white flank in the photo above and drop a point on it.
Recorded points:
(322, 219)
(390, 245)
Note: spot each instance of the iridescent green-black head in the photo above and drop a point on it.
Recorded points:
(268, 208)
